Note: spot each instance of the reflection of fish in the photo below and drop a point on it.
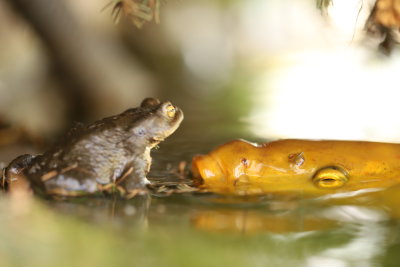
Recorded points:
(311, 167)
(283, 215)
(253, 222)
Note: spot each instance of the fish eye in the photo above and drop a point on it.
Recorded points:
(330, 178)
(170, 111)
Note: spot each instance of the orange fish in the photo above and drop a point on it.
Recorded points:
(310, 167)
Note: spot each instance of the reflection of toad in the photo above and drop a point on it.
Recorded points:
(111, 153)
(310, 167)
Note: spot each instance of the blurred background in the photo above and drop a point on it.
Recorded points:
(270, 69)
(255, 69)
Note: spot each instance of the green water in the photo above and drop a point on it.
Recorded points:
(194, 229)
(168, 231)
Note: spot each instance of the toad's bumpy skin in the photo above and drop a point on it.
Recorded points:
(304, 166)
(110, 153)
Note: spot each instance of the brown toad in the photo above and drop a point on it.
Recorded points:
(110, 153)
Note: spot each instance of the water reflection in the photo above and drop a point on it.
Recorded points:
(256, 222)
(351, 230)
(345, 235)
(112, 210)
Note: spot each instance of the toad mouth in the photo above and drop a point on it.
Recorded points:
(156, 140)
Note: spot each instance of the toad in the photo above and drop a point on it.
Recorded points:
(109, 154)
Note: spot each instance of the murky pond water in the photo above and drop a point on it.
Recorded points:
(201, 229)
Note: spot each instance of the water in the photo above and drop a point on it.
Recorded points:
(201, 229)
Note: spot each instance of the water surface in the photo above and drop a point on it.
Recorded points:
(201, 229)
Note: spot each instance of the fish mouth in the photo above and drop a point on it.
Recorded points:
(206, 171)
(195, 172)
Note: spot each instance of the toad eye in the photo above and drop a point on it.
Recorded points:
(170, 110)
(330, 178)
